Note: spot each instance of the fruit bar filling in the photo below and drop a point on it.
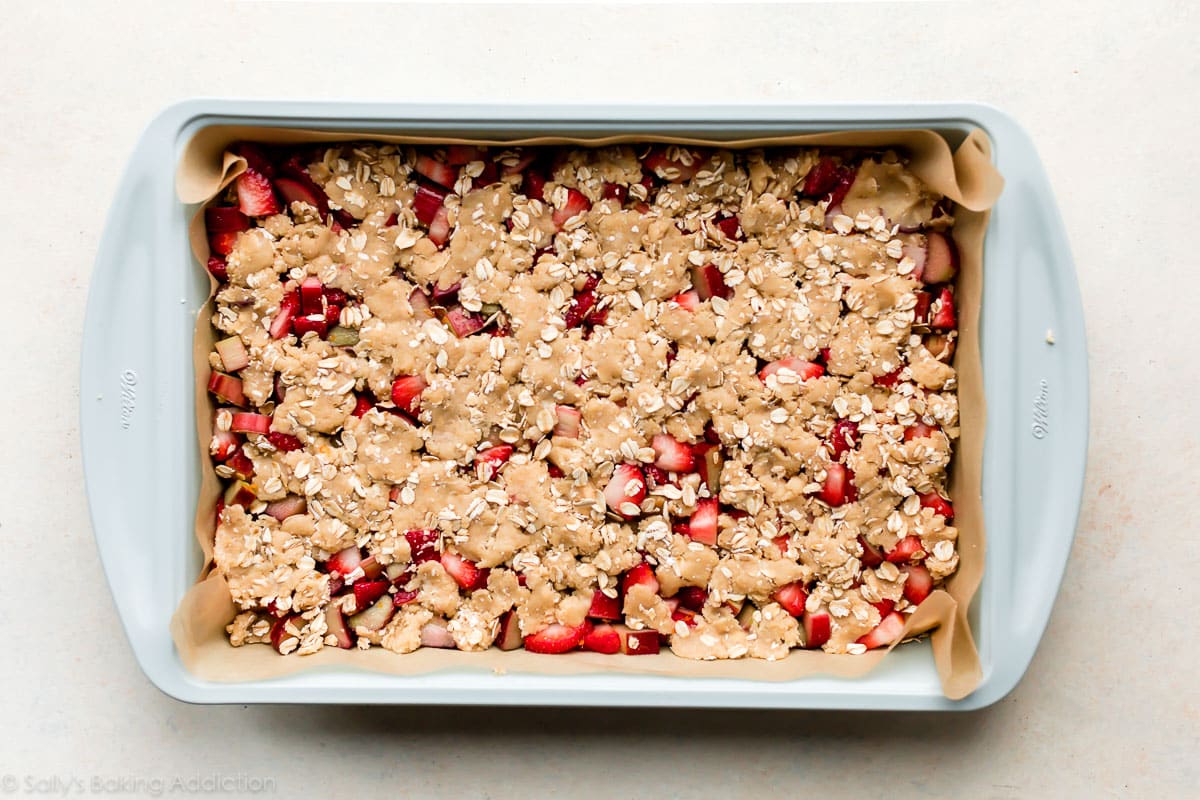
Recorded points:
(617, 400)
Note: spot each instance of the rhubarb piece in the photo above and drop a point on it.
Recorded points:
(246, 422)
(817, 629)
(223, 225)
(509, 636)
(294, 191)
(940, 346)
(423, 544)
(625, 491)
(576, 204)
(439, 227)
(406, 393)
(641, 575)
(218, 268)
(568, 422)
(680, 169)
(604, 607)
(436, 171)
(871, 556)
(226, 388)
(730, 227)
(313, 323)
(256, 157)
(289, 506)
(421, 307)
(689, 300)
(426, 203)
(919, 430)
(614, 191)
(709, 282)
(672, 454)
(533, 185)
(312, 296)
(845, 180)
(367, 592)
(822, 178)
(435, 634)
(362, 405)
(374, 617)
(241, 465)
(921, 309)
(464, 323)
(223, 445)
(602, 639)
(838, 488)
(792, 597)
(885, 633)
(843, 438)
(289, 307)
(889, 379)
(284, 441)
(582, 304)
(239, 493)
(692, 597)
(255, 196)
(918, 255)
(464, 572)
(918, 583)
(233, 353)
(489, 461)
(371, 568)
(638, 643)
(803, 370)
(907, 549)
(557, 638)
(702, 526)
(944, 316)
(939, 504)
(344, 562)
(941, 258)
(335, 623)
(284, 633)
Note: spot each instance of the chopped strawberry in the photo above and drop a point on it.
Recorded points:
(614, 191)
(227, 388)
(871, 556)
(284, 442)
(792, 597)
(362, 405)
(730, 226)
(489, 461)
(426, 202)
(464, 572)
(683, 167)
(335, 623)
(656, 475)
(822, 178)
(439, 227)
(672, 454)
(638, 643)
(804, 370)
(843, 438)
(255, 196)
(523, 159)
(375, 617)
(641, 575)
(919, 430)
(241, 464)
(845, 180)
(284, 633)
(921, 309)
(886, 632)
(367, 592)
(218, 268)
(436, 171)
(581, 306)
(576, 204)
(939, 504)
(944, 316)
(918, 584)
(625, 491)
(239, 493)
(256, 157)
(399, 574)
(838, 488)
(884, 607)
(423, 545)
(686, 616)
(702, 525)
(233, 353)
(247, 422)
(459, 154)
(709, 282)
(692, 597)
(509, 635)
(941, 258)
(312, 323)
(223, 445)
(225, 219)
(294, 191)
(554, 471)
(817, 629)
(689, 300)
(602, 639)
(534, 185)
(568, 422)
(557, 638)
(890, 379)
(907, 549)
(312, 296)
(406, 393)
(289, 307)
(343, 562)
(604, 607)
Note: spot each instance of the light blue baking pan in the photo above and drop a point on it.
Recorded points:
(141, 457)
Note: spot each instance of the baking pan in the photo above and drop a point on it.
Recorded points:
(141, 458)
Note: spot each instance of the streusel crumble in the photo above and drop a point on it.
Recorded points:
(561, 398)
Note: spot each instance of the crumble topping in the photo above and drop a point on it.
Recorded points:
(469, 397)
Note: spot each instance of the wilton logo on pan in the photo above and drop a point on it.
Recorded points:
(129, 380)
(1041, 410)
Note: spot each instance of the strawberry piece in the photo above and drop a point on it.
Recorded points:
(436, 171)
(233, 353)
(672, 454)
(284, 442)
(557, 638)
(439, 227)
(843, 438)
(941, 258)
(822, 178)
(921, 309)
(218, 268)
(641, 575)
(523, 159)
(367, 592)
(702, 525)
(509, 635)
(918, 584)
(886, 632)
(246, 422)
(889, 379)
(294, 191)
(335, 623)
(884, 607)
(625, 491)
(709, 282)
(282, 636)
(871, 556)
(939, 504)
(576, 204)
(343, 562)
(459, 154)
(241, 464)
(374, 617)
(604, 607)
(656, 475)
(225, 219)
(289, 307)
(534, 185)
(313, 323)
(838, 488)
(554, 471)
(312, 295)
(423, 545)
(792, 597)
(686, 616)
(602, 639)
(406, 393)
(689, 300)
(227, 388)
(845, 180)
(944, 316)
(919, 430)
(223, 445)
(614, 191)
(581, 306)
(426, 203)
(568, 422)
(638, 643)
(223, 242)
(730, 227)
(804, 370)
(362, 405)
(680, 169)
(240, 493)
(907, 549)
(489, 461)
(255, 196)
(256, 157)
(692, 597)
(817, 629)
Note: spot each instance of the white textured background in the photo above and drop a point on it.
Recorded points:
(1107, 89)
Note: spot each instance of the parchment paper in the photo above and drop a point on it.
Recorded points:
(965, 175)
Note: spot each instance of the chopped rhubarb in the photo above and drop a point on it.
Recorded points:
(671, 454)
(939, 504)
(233, 353)
(889, 379)
(581, 305)
(919, 430)
(406, 393)
(730, 227)
(223, 444)
(255, 196)
(803, 370)
(885, 633)
(362, 405)
(792, 597)
(436, 634)
(289, 307)
(367, 592)
(218, 268)
(464, 323)
(838, 488)
(689, 300)
(692, 597)
(509, 635)
(227, 388)
(614, 191)
(702, 525)
(940, 346)
(843, 438)
(921, 309)
(602, 639)
(575, 205)
(489, 461)
(436, 171)
(313, 323)
(419, 302)
(534, 185)
(256, 157)
(625, 491)
(284, 633)
(709, 282)
(918, 583)
(464, 571)
(907, 549)
(638, 643)
(423, 545)
(374, 617)
(335, 623)
(871, 556)
(557, 638)
(944, 316)
(822, 178)
(426, 203)
(941, 258)
(817, 629)
(709, 464)
(239, 493)
(241, 464)
(289, 506)
(312, 296)
(247, 422)
(604, 607)
(285, 442)
(918, 254)
(567, 423)
(439, 227)
(673, 164)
